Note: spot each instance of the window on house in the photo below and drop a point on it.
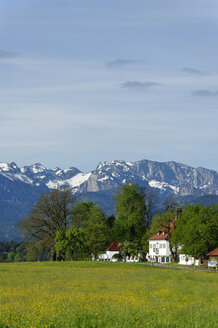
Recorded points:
(160, 245)
(151, 246)
(164, 245)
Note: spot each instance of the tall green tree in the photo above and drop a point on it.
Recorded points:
(50, 214)
(96, 231)
(70, 244)
(131, 221)
(197, 230)
(80, 214)
(90, 233)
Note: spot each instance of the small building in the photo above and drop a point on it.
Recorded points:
(187, 259)
(112, 252)
(159, 246)
(213, 258)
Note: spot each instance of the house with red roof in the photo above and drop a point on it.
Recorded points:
(159, 247)
(111, 253)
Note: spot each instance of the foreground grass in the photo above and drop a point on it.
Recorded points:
(87, 294)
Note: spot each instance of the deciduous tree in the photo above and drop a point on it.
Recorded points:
(131, 221)
(197, 230)
(70, 244)
(80, 214)
(96, 231)
(49, 215)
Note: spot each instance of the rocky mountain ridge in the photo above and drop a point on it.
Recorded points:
(172, 177)
(179, 179)
(21, 187)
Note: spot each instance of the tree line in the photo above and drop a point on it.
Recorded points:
(73, 231)
(19, 251)
(59, 228)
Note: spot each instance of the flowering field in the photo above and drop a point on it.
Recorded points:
(88, 294)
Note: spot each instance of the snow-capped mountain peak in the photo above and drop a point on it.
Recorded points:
(165, 177)
(20, 188)
(37, 168)
(5, 167)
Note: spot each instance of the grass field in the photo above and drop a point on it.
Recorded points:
(97, 294)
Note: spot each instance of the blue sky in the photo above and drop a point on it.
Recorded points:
(87, 81)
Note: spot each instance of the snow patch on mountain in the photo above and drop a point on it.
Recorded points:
(37, 168)
(78, 179)
(8, 176)
(162, 185)
(204, 186)
(23, 178)
(104, 178)
(130, 163)
(100, 165)
(67, 170)
(59, 172)
(73, 182)
(4, 167)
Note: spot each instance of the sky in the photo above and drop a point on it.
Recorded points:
(88, 81)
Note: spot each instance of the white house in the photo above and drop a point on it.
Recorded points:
(159, 248)
(111, 252)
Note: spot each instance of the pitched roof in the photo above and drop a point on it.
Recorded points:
(116, 246)
(214, 252)
(162, 233)
(161, 236)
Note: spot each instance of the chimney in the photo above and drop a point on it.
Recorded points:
(178, 212)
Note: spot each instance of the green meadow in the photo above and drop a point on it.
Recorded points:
(99, 294)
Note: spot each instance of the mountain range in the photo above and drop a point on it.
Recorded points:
(21, 187)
